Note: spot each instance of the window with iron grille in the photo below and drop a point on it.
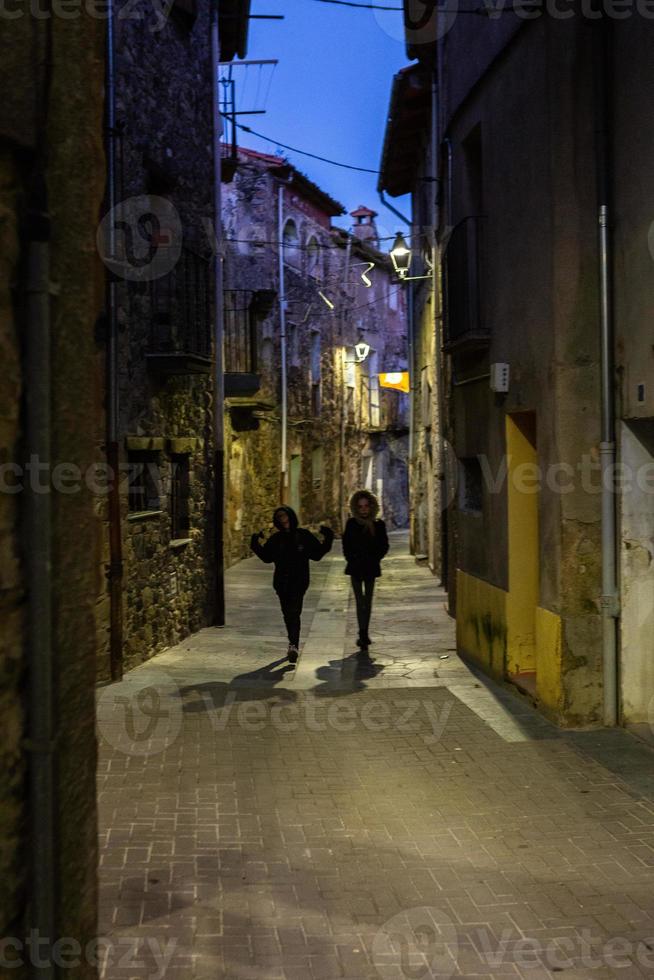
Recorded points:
(179, 497)
(144, 482)
(240, 332)
(315, 373)
(181, 307)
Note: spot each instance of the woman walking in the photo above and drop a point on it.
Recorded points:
(365, 543)
(290, 548)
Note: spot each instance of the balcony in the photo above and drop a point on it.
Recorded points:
(463, 293)
(180, 326)
(242, 311)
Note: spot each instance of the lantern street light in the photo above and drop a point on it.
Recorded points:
(401, 259)
(362, 350)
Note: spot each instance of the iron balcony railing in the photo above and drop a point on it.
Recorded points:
(463, 281)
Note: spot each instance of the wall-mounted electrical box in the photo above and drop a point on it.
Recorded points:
(499, 378)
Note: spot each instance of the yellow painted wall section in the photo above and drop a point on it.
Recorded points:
(549, 687)
(481, 622)
(522, 507)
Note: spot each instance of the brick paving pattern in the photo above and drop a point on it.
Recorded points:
(402, 819)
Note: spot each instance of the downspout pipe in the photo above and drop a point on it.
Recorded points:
(283, 490)
(434, 175)
(412, 373)
(113, 450)
(218, 362)
(609, 600)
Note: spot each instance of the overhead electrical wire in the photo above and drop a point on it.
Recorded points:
(305, 153)
(362, 6)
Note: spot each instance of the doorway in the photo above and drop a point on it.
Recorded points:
(523, 549)
(294, 484)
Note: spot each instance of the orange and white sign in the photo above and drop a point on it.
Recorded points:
(395, 379)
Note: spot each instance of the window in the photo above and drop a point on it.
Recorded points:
(293, 344)
(240, 332)
(470, 485)
(313, 258)
(291, 243)
(317, 467)
(350, 368)
(373, 391)
(144, 484)
(315, 373)
(179, 497)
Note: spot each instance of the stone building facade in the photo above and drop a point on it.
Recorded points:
(342, 431)
(165, 318)
(525, 183)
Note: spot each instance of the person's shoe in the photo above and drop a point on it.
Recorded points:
(292, 653)
(363, 642)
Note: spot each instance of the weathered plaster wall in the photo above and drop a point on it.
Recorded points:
(67, 118)
(12, 585)
(540, 303)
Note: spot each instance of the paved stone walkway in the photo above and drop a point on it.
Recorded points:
(402, 819)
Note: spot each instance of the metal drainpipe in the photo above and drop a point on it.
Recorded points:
(218, 377)
(609, 600)
(282, 348)
(412, 378)
(343, 319)
(41, 739)
(113, 452)
(436, 309)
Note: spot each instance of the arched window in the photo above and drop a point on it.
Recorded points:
(291, 241)
(313, 258)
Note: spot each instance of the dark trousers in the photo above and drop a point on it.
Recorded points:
(363, 589)
(291, 604)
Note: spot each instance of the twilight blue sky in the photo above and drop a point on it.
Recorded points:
(329, 92)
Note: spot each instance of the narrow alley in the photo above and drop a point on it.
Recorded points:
(399, 818)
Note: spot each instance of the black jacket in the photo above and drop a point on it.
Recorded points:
(291, 551)
(364, 551)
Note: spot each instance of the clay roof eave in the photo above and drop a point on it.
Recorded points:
(408, 118)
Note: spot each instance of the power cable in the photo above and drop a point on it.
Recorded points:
(305, 153)
(361, 6)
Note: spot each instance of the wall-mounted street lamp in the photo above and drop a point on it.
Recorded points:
(401, 258)
(361, 350)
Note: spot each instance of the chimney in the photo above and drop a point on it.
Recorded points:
(364, 225)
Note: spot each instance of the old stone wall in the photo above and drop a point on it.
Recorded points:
(163, 108)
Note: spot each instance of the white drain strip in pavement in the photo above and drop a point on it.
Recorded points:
(325, 641)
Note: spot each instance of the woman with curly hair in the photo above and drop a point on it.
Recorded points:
(365, 543)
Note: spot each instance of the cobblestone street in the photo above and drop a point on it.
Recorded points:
(402, 819)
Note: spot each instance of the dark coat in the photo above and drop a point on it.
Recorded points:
(364, 551)
(291, 551)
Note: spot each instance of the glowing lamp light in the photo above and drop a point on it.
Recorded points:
(326, 300)
(401, 256)
(362, 350)
(395, 379)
